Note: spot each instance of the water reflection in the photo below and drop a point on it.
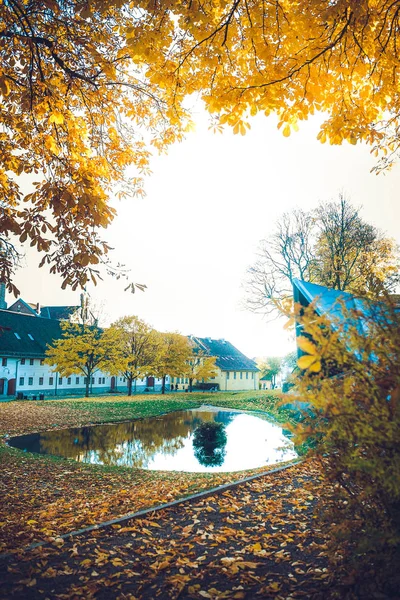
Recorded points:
(178, 441)
(209, 441)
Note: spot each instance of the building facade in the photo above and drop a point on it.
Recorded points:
(235, 372)
(25, 332)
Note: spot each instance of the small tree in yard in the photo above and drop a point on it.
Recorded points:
(200, 366)
(351, 380)
(136, 349)
(82, 350)
(173, 353)
(271, 368)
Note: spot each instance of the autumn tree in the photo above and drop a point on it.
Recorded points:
(82, 350)
(89, 88)
(352, 255)
(76, 102)
(331, 245)
(270, 368)
(350, 378)
(199, 366)
(174, 352)
(136, 349)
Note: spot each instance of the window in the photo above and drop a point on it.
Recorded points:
(234, 375)
(3, 362)
(186, 380)
(30, 381)
(99, 379)
(104, 379)
(40, 380)
(92, 379)
(227, 374)
(17, 336)
(85, 380)
(172, 379)
(22, 361)
(31, 361)
(51, 380)
(60, 381)
(30, 336)
(22, 381)
(247, 374)
(241, 375)
(77, 381)
(69, 381)
(42, 361)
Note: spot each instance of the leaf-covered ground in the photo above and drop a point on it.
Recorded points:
(262, 539)
(43, 497)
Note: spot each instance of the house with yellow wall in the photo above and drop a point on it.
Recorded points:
(235, 372)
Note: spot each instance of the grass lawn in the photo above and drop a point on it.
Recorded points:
(43, 496)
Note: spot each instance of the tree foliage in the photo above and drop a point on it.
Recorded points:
(351, 380)
(270, 368)
(332, 246)
(89, 88)
(136, 349)
(75, 104)
(174, 352)
(199, 366)
(82, 350)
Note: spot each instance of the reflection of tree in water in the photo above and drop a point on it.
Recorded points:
(209, 442)
(127, 444)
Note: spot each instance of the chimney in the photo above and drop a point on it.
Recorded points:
(3, 303)
(38, 308)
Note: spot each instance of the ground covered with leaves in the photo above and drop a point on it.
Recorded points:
(51, 496)
(260, 539)
(265, 538)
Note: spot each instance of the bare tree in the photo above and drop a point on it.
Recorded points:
(286, 255)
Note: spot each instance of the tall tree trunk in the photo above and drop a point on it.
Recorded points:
(129, 386)
(163, 385)
(87, 387)
(190, 384)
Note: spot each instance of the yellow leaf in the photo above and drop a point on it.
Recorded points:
(257, 547)
(286, 130)
(315, 367)
(56, 117)
(306, 361)
(306, 345)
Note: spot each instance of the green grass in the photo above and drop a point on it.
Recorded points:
(110, 408)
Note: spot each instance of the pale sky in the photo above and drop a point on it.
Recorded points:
(209, 202)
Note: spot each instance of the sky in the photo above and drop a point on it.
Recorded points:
(209, 202)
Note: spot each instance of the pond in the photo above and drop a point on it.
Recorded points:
(202, 440)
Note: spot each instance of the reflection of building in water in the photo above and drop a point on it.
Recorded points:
(166, 442)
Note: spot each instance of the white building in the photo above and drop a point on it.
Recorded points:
(25, 332)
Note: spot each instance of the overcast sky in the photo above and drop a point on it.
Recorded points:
(209, 202)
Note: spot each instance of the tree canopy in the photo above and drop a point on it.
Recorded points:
(89, 88)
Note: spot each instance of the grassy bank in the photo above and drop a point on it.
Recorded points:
(50, 496)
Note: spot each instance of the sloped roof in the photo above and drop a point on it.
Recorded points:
(339, 305)
(57, 312)
(41, 332)
(16, 307)
(228, 358)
